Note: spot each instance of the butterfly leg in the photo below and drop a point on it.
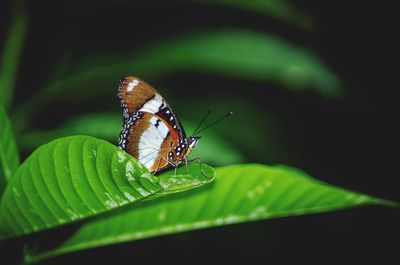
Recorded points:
(170, 163)
(176, 167)
(186, 164)
(158, 166)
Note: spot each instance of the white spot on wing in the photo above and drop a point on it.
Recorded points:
(150, 142)
(153, 105)
(132, 85)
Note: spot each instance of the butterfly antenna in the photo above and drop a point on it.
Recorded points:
(201, 122)
(215, 122)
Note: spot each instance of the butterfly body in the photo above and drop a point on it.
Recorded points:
(151, 131)
(183, 148)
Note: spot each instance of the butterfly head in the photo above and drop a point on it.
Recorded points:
(192, 141)
(183, 148)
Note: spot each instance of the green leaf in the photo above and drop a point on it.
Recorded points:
(77, 177)
(111, 124)
(280, 9)
(214, 149)
(265, 131)
(9, 157)
(241, 193)
(87, 124)
(12, 51)
(238, 53)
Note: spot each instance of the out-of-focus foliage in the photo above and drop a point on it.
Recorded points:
(12, 49)
(239, 53)
(280, 9)
(9, 158)
(251, 129)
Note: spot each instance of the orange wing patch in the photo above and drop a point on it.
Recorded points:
(150, 140)
(168, 144)
(134, 93)
(134, 133)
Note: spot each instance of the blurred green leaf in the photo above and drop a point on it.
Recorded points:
(77, 177)
(105, 126)
(108, 125)
(215, 149)
(241, 193)
(238, 53)
(12, 51)
(259, 134)
(280, 9)
(9, 157)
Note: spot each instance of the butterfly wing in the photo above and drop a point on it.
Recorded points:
(151, 128)
(149, 140)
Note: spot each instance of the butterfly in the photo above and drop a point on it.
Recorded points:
(151, 131)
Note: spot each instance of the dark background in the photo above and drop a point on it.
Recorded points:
(351, 142)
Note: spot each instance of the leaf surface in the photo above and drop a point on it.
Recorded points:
(240, 193)
(77, 177)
